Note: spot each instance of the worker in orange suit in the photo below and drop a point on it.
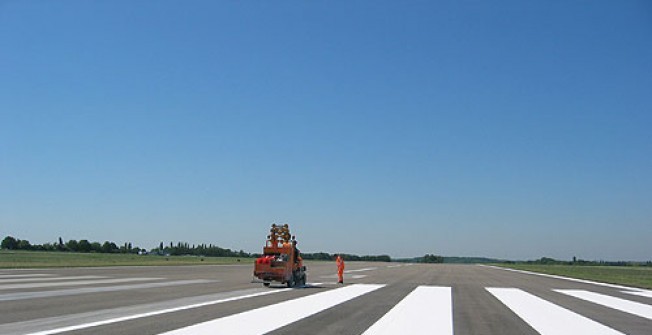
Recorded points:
(340, 269)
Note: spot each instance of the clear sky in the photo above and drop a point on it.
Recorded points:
(511, 129)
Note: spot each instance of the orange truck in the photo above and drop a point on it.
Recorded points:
(280, 261)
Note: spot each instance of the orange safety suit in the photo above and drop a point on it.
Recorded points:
(340, 269)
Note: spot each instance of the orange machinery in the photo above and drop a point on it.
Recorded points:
(280, 261)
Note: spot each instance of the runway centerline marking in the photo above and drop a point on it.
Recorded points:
(622, 305)
(153, 313)
(426, 310)
(284, 313)
(546, 317)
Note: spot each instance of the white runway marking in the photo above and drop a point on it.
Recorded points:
(153, 313)
(426, 310)
(647, 294)
(26, 276)
(40, 279)
(623, 305)
(546, 317)
(101, 289)
(584, 281)
(360, 270)
(282, 314)
(73, 283)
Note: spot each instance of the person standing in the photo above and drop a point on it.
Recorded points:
(340, 269)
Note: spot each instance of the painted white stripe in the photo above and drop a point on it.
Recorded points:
(283, 313)
(26, 280)
(73, 283)
(394, 266)
(626, 306)
(426, 310)
(360, 270)
(647, 294)
(584, 281)
(546, 317)
(101, 289)
(25, 276)
(153, 313)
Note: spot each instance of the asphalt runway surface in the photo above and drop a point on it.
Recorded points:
(376, 298)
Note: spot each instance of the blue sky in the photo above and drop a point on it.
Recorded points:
(507, 129)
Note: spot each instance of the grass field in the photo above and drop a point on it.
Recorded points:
(635, 276)
(36, 259)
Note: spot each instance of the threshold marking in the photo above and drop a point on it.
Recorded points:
(546, 317)
(426, 310)
(277, 315)
(631, 307)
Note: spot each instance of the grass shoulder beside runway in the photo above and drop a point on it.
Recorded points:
(634, 276)
(38, 259)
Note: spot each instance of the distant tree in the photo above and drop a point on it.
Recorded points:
(432, 259)
(9, 243)
(84, 246)
(109, 247)
(23, 245)
(96, 247)
(72, 245)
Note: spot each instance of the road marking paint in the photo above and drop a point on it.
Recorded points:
(360, 270)
(2, 276)
(101, 289)
(623, 305)
(394, 266)
(426, 310)
(154, 313)
(73, 283)
(584, 281)
(546, 317)
(283, 313)
(646, 293)
(40, 279)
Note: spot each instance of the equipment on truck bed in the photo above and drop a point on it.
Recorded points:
(280, 261)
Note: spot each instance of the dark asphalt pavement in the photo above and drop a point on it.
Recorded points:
(436, 299)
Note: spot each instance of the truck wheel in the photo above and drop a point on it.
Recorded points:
(290, 282)
(266, 284)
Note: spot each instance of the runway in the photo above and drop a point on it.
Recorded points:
(377, 298)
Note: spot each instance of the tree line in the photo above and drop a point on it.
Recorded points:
(107, 247)
(347, 257)
(184, 248)
(579, 262)
(171, 249)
